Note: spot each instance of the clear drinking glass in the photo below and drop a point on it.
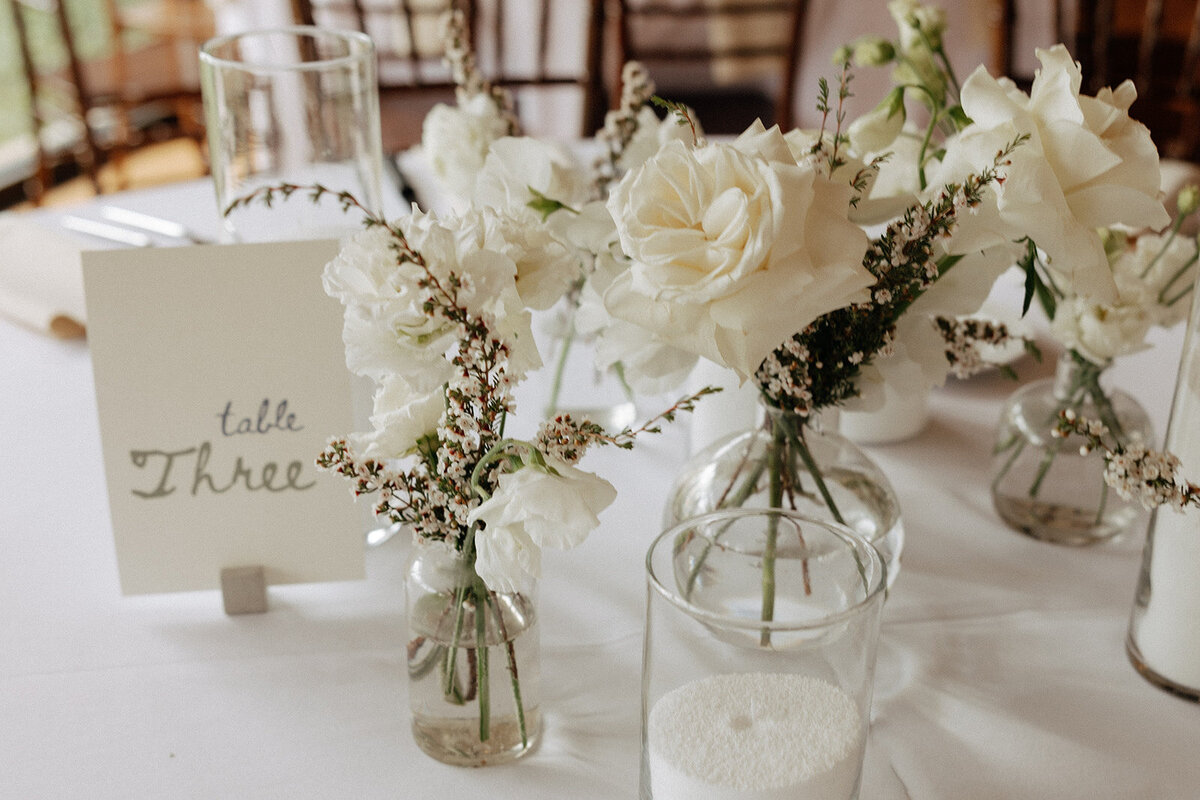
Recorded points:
(759, 657)
(292, 106)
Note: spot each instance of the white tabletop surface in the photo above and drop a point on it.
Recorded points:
(1002, 672)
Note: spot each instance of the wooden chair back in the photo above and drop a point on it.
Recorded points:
(135, 79)
(1154, 43)
(716, 56)
(546, 51)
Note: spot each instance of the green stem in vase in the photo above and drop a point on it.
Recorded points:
(775, 459)
(560, 364)
(796, 437)
(481, 656)
(511, 654)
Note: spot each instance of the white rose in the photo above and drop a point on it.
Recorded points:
(1086, 165)
(456, 140)
(733, 248)
(553, 506)
(1100, 332)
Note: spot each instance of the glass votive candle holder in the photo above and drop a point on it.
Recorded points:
(759, 658)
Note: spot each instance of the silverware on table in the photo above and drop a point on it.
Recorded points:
(152, 224)
(103, 230)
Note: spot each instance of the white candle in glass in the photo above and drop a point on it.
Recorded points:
(755, 736)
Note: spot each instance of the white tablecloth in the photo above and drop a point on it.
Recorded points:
(1002, 672)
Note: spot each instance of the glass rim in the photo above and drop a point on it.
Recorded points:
(208, 56)
(875, 589)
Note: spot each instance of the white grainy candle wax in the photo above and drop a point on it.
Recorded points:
(1169, 634)
(755, 736)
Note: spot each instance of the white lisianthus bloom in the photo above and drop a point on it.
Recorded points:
(651, 134)
(456, 140)
(515, 164)
(401, 417)
(733, 247)
(556, 505)
(877, 204)
(914, 18)
(875, 131)
(917, 361)
(1086, 165)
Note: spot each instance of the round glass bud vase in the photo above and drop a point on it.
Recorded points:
(796, 463)
(1045, 486)
(474, 661)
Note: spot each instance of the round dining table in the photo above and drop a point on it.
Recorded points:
(1001, 671)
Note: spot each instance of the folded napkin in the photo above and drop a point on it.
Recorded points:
(41, 280)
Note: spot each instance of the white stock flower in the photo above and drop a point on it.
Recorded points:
(456, 140)
(553, 506)
(733, 247)
(1086, 165)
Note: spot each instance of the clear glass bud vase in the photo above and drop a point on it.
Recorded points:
(795, 463)
(474, 661)
(1164, 630)
(1044, 486)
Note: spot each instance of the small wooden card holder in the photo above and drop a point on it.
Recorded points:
(244, 590)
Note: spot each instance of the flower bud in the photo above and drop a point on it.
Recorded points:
(1188, 200)
(872, 51)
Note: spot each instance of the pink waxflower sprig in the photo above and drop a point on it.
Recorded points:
(1151, 477)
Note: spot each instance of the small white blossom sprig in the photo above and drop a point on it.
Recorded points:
(566, 438)
(819, 367)
(1137, 473)
(965, 338)
(621, 124)
(468, 80)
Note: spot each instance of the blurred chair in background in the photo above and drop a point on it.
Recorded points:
(105, 78)
(732, 61)
(546, 51)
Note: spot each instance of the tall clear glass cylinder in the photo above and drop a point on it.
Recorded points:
(759, 658)
(1164, 629)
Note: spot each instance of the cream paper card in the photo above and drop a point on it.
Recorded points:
(220, 376)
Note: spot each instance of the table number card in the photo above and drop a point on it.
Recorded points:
(220, 376)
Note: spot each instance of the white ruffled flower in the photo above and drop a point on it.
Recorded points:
(733, 248)
(401, 417)
(456, 140)
(1086, 165)
(1159, 274)
(386, 330)
(1100, 332)
(553, 506)
(875, 131)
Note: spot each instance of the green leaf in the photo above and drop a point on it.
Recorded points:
(546, 205)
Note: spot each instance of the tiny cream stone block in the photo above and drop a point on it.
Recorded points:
(244, 590)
